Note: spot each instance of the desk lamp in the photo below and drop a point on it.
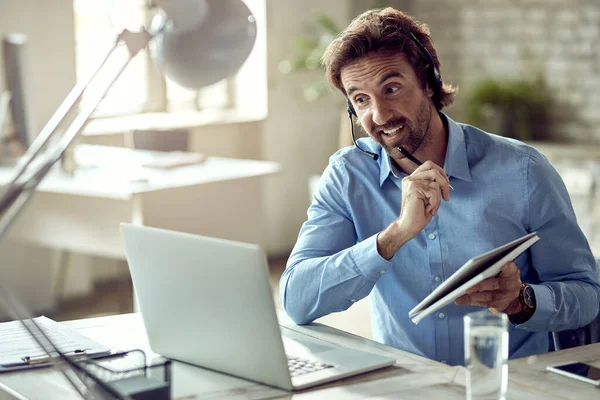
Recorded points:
(197, 43)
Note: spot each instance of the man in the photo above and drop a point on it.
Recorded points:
(395, 230)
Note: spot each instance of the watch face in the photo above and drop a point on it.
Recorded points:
(529, 296)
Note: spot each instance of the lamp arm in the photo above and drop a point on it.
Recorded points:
(51, 126)
(35, 166)
(17, 197)
(17, 193)
(4, 104)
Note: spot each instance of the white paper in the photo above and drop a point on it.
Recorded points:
(16, 342)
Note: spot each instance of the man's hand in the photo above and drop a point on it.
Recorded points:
(422, 192)
(500, 294)
(421, 197)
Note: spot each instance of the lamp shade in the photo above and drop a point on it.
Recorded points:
(197, 52)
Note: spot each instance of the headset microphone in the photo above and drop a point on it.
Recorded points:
(351, 112)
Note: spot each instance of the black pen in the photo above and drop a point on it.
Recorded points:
(413, 159)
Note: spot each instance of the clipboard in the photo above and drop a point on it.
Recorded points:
(25, 366)
(19, 351)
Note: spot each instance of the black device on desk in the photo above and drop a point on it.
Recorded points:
(577, 370)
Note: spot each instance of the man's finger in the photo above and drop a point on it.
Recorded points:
(436, 175)
(486, 285)
(485, 299)
(500, 305)
(492, 284)
(463, 300)
(427, 191)
(509, 269)
(431, 190)
(430, 210)
(429, 175)
(431, 165)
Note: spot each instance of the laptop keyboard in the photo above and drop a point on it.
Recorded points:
(300, 366)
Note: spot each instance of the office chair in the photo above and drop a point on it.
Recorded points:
(587, 334)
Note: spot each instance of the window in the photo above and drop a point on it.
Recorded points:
(141, 87)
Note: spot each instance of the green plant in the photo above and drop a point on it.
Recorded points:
(516, 108)
(310, 49)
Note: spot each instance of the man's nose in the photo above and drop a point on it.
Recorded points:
(381, 113)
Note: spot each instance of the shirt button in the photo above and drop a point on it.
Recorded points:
(437, 278)
(432, 236)
(353, 300)
(444, 362)
(441, 315)
(382, 272)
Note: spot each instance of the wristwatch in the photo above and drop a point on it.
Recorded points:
(527, 300)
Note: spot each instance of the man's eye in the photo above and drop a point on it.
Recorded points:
(360, 100)
(392, 89)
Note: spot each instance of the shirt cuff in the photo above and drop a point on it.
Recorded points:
(544, 309)
(367, 259)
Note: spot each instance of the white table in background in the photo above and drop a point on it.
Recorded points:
(221, 197)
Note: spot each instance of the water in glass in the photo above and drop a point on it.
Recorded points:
(486, 354)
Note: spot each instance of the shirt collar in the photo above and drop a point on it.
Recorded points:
(456, 163)
(385, 167)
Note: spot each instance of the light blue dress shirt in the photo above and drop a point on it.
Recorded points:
(503, 190)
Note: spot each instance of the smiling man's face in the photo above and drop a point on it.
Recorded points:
(390, 103)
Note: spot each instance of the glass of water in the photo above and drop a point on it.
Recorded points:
(486, 355)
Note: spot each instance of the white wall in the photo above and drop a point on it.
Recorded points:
(49, 27)
(299, 135)
(48, 24)
(558, 39)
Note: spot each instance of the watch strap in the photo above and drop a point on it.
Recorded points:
(526, 312)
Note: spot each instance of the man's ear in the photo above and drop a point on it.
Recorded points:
(428, 90)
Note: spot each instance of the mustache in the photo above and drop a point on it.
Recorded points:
(390, 124)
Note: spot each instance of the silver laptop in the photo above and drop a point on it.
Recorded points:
(208, 302)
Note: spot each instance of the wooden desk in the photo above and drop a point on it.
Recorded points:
(411, 377)
(221, 197)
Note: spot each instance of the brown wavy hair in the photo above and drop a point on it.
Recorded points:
(384, 31)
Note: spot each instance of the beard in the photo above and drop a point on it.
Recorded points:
(416, 131)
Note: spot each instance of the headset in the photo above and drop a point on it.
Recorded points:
(433, 77)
